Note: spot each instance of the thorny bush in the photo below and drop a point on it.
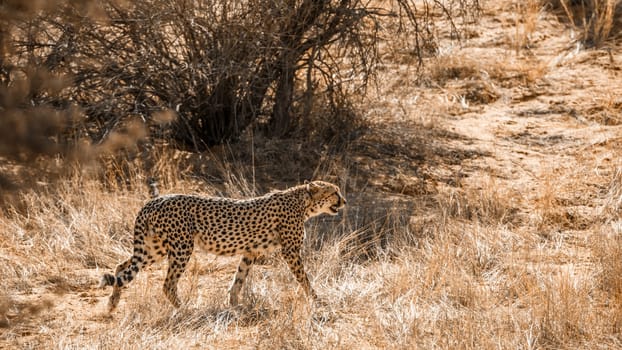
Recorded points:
(194, 73)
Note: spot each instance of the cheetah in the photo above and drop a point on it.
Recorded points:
(171, 225)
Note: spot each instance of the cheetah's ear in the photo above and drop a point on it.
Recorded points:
(306, 182)
(312, 188)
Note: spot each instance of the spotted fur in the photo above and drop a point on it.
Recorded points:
(170, 226)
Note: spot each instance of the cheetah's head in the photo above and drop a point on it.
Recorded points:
(325, 198)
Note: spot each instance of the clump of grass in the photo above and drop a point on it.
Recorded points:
(489, 204)
(607, 250)
(595, 20)
(547, 209)
(450, 67)
(561, 319)
(606, 110)
(613, 198)
(527, 15)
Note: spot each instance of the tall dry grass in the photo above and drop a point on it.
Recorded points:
(526, 21)
(595, 20)
(472, 280)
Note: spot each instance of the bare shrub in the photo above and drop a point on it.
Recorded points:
(33, 146)
(220, 66)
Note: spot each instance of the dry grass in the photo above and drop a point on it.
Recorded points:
(526, 21)
(595, 20)
(497, 226)
(469, 282)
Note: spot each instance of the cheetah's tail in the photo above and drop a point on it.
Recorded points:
(107, 280)
(153, 187)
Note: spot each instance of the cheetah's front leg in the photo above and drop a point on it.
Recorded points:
(294, 261)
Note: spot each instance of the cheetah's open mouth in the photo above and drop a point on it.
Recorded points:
(335, 208)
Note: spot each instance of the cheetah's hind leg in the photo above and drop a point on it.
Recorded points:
(240, 276)
(116, 281)
(127, 271)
